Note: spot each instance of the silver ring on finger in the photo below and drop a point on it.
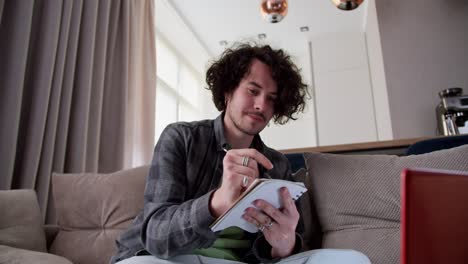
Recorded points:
(261, 228)
(245, 181)
(245, 161)
(270, 224)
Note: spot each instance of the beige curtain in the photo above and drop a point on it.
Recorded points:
(77, 88)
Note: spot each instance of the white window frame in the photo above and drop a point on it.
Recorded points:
(176, 91)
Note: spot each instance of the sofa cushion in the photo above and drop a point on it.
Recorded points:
(93, 210)
(21, 221)
(358, 197)
(11, 255)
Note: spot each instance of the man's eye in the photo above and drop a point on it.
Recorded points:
(272, 98)
(252, 91)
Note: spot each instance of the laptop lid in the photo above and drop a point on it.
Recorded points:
(434, 216)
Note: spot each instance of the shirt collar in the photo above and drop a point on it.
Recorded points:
(219, 132)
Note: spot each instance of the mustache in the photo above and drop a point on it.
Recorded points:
(259, 114)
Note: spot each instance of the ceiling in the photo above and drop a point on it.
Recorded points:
(212, 21)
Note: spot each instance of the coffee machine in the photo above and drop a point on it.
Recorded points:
(452, 112)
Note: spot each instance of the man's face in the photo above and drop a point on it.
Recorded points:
(250, 106)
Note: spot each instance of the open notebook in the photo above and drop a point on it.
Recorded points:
(266, 189)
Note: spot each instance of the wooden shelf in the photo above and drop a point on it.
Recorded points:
(365, 146)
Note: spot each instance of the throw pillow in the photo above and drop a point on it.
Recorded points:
(358, 197)
(21, 221)
(93, 210)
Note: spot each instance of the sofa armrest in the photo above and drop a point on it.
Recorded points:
(51, 232)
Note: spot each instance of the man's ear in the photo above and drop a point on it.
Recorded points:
(227, 98)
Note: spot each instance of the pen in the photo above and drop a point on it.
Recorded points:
(262, 169)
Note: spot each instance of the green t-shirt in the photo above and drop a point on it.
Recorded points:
(231, 244)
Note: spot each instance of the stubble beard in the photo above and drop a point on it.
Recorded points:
(237, 124)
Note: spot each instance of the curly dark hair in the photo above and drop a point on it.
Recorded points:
(225, 74)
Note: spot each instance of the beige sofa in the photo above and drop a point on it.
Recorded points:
(353, 202)
(92, 211)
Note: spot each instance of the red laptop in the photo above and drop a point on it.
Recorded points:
(434, 216)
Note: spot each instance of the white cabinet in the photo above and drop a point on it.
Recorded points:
(343, 90)
(342, 110)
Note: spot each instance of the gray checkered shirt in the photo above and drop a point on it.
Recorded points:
(187, 167)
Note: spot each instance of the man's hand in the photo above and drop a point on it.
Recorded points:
(240, 169)
(279, 225)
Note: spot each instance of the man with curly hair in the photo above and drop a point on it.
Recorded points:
(200, 168)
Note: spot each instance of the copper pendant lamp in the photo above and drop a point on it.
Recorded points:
(274, 11)
(347, 4)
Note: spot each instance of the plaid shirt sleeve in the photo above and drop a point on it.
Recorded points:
(173, 225)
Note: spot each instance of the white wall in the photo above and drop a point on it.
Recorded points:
(176, 31)
(424, 47)
(345, 106)
(377, 74)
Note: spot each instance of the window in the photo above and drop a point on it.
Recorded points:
(178, 88)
